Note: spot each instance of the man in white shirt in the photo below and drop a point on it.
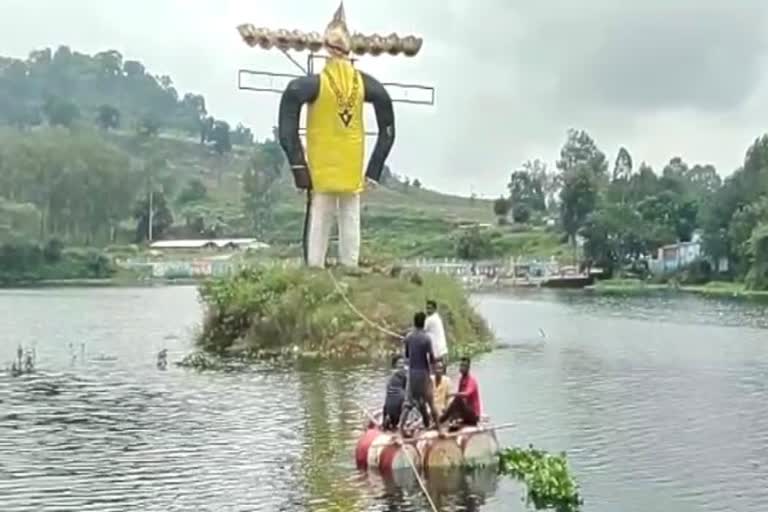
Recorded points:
(434, 328)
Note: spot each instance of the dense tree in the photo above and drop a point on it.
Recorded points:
(80, 185)
(220, 137)
(549, 182)
(108, 117)
(578, 198)
(622, 168)
(154, 207)
(580, 151)
(259, 181)
(501, 206)
(525, 189)
(757, 251)
(83, 83)
(521, 213)
(583, 172)
(642, 184)
(206, 125)
(148, 127)
(133, 70)
(613, 235)
(703, 180)
(194, 191)
(621, 176)
(60, 112)
(241, 136)
(474, 244)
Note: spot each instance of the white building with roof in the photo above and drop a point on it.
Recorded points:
(209, 243)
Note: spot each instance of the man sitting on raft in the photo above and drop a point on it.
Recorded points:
(418, 350)
(395, 397)
(464, 409)
(441, 386)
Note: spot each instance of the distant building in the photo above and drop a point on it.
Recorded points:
(218, 243)
(670, 258)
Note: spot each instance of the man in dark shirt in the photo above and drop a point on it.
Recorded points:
(418, 350)
(393, 402)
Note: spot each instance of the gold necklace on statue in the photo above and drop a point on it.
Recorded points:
(345, 104)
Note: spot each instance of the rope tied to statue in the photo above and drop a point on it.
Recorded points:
(359, 313)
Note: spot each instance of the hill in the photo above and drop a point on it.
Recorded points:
(89, 140)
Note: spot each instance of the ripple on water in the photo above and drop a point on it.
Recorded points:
(660, 404)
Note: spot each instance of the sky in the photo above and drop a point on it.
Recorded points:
(663, 78)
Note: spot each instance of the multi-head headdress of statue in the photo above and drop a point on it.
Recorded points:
(337, 39)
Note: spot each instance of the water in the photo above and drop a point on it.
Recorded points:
(659, 402)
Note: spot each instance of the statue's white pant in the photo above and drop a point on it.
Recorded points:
(324, 210)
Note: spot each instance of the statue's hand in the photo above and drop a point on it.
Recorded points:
(301, 178)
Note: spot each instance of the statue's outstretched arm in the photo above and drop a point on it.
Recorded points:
(299, 91)
(376, 94)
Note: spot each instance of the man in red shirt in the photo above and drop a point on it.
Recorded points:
(465, 406)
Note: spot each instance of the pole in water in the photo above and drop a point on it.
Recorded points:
(421, 482)
(410, 463)
(305, 234)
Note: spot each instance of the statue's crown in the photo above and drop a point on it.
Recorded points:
(337, 38)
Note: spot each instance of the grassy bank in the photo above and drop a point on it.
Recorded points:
(713, 289)
(271, 310)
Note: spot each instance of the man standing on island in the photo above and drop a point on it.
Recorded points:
(418, 350)
(434, 328)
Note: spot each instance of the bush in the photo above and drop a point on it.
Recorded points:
(98, 265)
(521, 214)
(698, 272)
(52, 250)
(275, 309)
(20, 256)
(474, 244)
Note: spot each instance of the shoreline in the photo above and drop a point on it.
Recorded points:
(109, 282)
(714, 289)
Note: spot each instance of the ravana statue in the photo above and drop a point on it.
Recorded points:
(332, 170)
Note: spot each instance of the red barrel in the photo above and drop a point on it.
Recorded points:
(395, 457)
(376, 448)
(363, 445)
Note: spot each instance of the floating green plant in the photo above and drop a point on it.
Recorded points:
(548, 481)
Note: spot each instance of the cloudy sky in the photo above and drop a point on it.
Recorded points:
(661, 77)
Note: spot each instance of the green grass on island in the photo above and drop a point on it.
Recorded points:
(271, 311)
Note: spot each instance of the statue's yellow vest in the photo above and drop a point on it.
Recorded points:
(335, 130)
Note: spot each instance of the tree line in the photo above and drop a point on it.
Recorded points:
(65, 87)
(625, 212)
(80, 186)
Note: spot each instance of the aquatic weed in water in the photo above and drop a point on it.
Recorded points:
(547, 478)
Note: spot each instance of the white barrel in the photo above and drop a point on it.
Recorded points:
(478, 445)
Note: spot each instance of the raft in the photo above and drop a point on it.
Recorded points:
(387, 452)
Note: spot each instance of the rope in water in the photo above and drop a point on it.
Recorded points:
(358, 312)
(421, 482)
